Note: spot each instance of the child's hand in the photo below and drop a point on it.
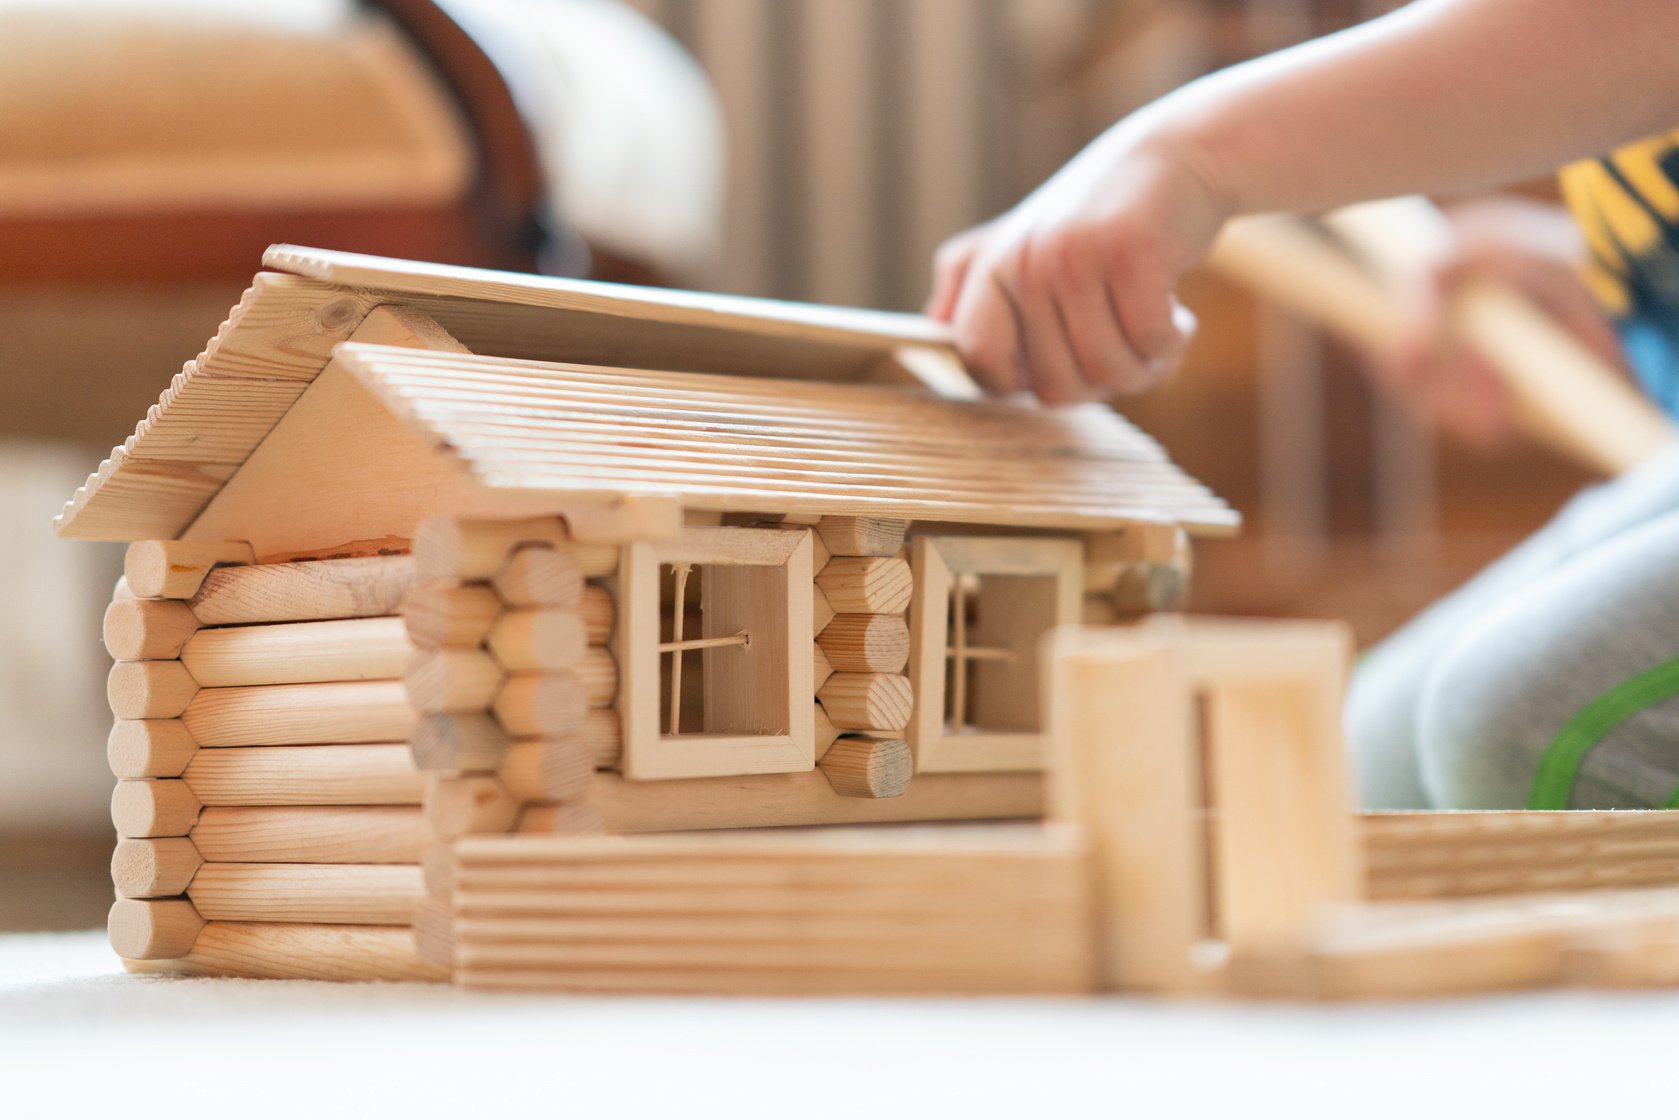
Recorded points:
(1531, 247)
(1070, 294)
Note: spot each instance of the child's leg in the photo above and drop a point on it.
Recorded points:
(1387, 689)
(1566, 694)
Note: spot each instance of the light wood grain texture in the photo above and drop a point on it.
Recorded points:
(159, 807)
(147, 629)
(463, 804)
(462, 741)
(442, 681)
(294, 714)
(866, 643)
(866, 585)
(821, 611)
(756, 696)
(216, 411)
(176, 569)
(862, 536)
(355, 587)
(290, 892)
(1127, 770)
(825, 730)
(156, 929)
(551, 705)
(149, 748)
(547, 769)
(858, 767)
(539, 640)
(868, 701)
(766, 800)
(816, 911)
(1460, 855)
(841, 450)
(149, 689)
(449, 614)
(354, 649)
(820, 667)
(298, 951)
(536, 576)
(154, 868)
(434, 933)
(565, 818)
(312, 834)
(475, 548)
(358, 774)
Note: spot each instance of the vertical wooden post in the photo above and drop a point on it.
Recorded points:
(1125, 768)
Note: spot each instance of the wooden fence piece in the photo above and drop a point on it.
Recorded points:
(176, 569)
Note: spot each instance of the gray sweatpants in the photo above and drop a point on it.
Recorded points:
(1550, 680)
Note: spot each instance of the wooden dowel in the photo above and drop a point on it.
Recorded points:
(149, 748)
(312, 834)
(356, 649)
(434, 925)
(534, 576)
(153, 929)
(176, 569)
(441, 681)
(154, 868)
(862, 536)
(821, 668)
(868, 767)
(147, 629)
(807, 799)
(462, 805)
(724, 642)
(533, 640)
(296, 714)
(547, 769)
(599, 614)
(866, 585)
(447, 614)
(553, 704)
(866, 643)
(598, 673)
(821, 611)
(461, 741)
(300, 951)
(339, 774)
(149, 689)
(355, 894)
(437, 868)
(457, 548)
(566, 818)
(158, 807)
(868, 701)
(304, 591)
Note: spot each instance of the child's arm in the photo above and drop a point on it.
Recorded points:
(1070, 293)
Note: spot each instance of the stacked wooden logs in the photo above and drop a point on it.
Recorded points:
(267, 808)
(1142, 569)
(864, 699)
(512, 681)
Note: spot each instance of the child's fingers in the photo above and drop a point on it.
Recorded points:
(1103, 357)
(1063, 342)
(987, 330)
(950, 270)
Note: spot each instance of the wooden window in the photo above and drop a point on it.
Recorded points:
(981, 608)
(710, 625)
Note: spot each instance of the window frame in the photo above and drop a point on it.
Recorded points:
(937, 561)
(648, 753)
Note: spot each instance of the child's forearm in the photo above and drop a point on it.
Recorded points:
(1442, 95)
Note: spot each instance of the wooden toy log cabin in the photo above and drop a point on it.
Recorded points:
(425, 552)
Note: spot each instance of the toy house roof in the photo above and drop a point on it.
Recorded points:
(578, 388)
